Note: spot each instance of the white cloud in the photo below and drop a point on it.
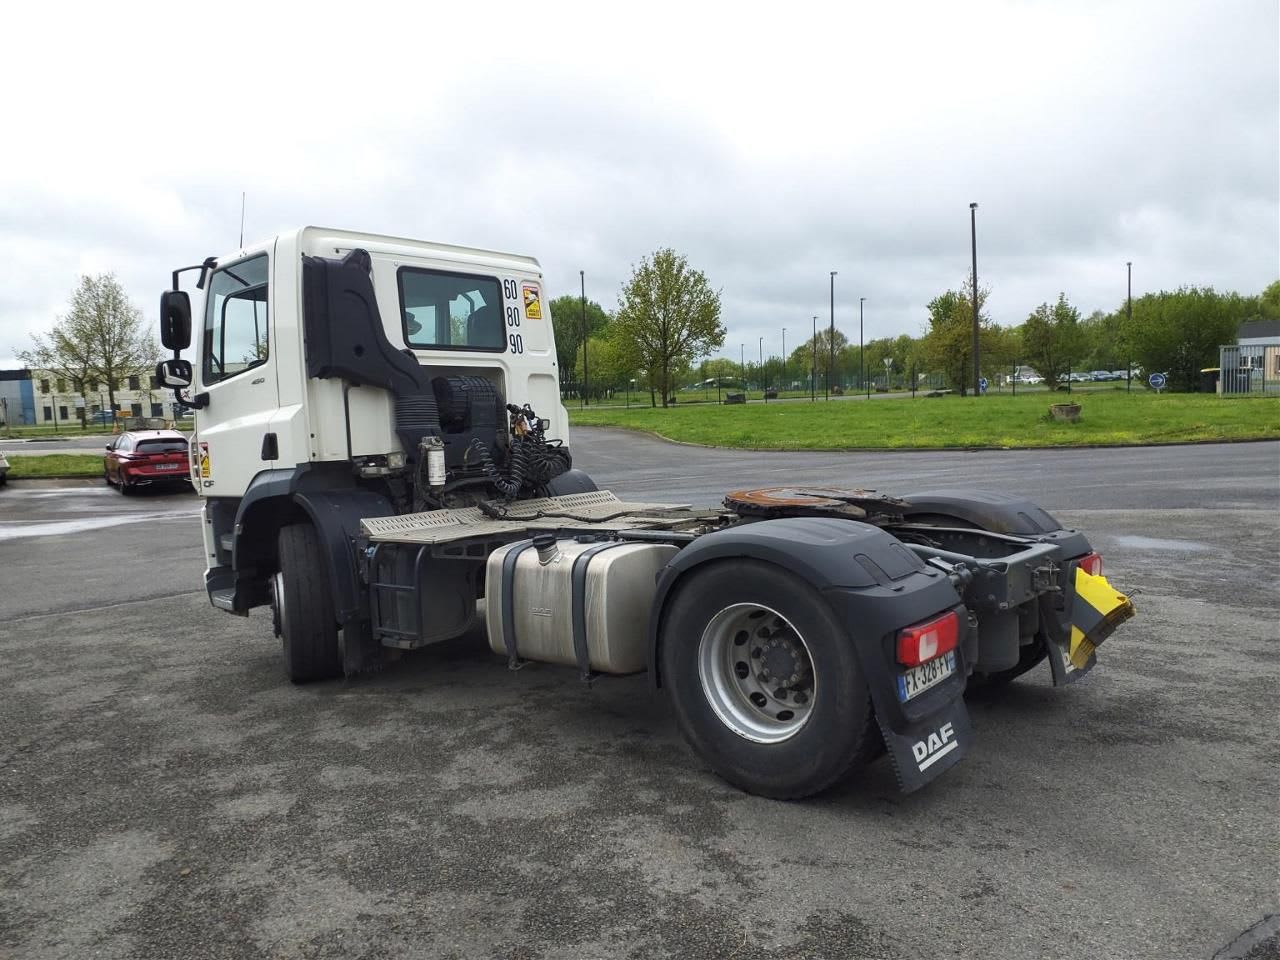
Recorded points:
(769, 143)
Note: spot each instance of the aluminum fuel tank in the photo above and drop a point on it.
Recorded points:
(615, 582)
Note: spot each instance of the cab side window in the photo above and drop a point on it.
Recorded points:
(451, 311)
(235, 320)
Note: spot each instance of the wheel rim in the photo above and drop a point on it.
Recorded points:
(277, 604)
(757, 673)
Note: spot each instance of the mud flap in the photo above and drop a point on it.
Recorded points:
(1096, 609)
(927, 748)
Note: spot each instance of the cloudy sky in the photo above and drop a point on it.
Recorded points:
(771, 144)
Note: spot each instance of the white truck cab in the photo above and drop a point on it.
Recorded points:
(461, 311)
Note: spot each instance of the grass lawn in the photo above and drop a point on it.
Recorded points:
(54, 465)
(1107, 417)
(71, 429)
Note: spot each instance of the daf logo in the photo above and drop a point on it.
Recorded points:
(934, 747)
(540, 611)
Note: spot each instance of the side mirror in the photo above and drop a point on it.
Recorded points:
(175, 319)
(110, 446)
(175, 373)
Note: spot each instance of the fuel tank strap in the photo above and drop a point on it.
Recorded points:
(508, 602)
(579, 586)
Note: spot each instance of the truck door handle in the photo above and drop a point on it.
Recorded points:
(270, 448)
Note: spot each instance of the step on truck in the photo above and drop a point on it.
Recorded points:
(384, 462)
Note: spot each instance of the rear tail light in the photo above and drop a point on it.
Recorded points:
(924, 641)
(1091, 563)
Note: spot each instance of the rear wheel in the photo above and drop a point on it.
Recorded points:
(766, 686)
(302, 607)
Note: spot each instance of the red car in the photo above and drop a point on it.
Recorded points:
(144, 457)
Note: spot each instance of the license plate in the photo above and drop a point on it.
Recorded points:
(170, 466)
(917, 680)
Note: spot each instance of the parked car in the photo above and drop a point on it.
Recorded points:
(1103, 375)
(4, 470)
(142, 458)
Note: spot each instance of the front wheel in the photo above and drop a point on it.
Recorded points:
(302, 607)
(765, 683)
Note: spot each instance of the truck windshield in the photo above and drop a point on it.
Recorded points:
(451, 311)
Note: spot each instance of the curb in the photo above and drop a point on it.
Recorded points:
(971, 449)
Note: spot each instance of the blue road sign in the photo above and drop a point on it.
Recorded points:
(982, 384)
(1157, 381)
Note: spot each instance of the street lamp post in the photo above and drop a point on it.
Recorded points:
(742, 364)
(973, 232)
(813, 363)
(760, 346)
(586, 379)
(1128, 373)
(784, 357)
(831, 335)
(862, 363)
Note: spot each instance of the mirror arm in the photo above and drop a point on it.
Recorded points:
(204, 268)
(197, 402)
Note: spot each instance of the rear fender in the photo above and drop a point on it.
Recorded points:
(875, 586)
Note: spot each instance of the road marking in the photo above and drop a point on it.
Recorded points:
(106, 606)
(60, 528)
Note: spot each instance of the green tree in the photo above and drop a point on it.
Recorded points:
(611, 367)
(62, 354)
(1179, 333)
(1052, 340)
(815, 353)
(1102, 341)
(668, 316)
(1269, 301)
(101, 335)
(948, 344)
(566, 323)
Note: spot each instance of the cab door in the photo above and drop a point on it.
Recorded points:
(238, 376)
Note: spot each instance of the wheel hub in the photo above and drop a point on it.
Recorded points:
(781, 662)
(756, 673)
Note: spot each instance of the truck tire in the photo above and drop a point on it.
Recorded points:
(765, 683)
(302, 607)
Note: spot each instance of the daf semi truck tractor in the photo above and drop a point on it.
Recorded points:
(385, 463)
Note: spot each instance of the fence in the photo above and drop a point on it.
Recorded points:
(1251, 369)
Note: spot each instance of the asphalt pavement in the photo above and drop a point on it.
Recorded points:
(166, 793)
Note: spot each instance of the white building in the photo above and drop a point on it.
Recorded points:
(59, 400)
(1252, 363)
